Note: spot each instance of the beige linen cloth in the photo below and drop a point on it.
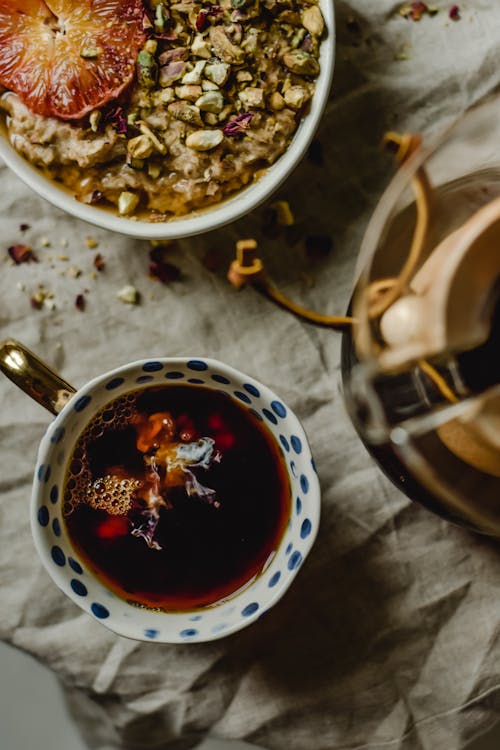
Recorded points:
(390, 636)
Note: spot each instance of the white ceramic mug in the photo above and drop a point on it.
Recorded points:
(74, 411)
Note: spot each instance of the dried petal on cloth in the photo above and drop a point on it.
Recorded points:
(390, 635)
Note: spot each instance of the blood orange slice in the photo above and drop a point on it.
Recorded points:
(66, 57)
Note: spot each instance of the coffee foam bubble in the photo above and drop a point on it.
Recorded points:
(113, 494)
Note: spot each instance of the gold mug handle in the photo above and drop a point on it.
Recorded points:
(33, 376)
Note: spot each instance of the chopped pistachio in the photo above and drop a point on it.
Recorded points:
(151, 46)
(164, 96)
(127, 202)
(204, 140)
(194, 75)
(140, 147)
(251, 41)
(244, 76)
(131, 118)
(296, 97)
(252, 97)
(128, 294)
(200, 47)
(147, 69)
(217, 72)
(224, 47)
(161, 16)
(186, 112)
(172, 72)
(188, 92)
(211, 101)
(312, 20)
(298, 38)
(154, 170)
(225, 112)
(210, 118)
(146, 130)
(276, 101)
(301, 63)
(209, 86)
(134, 163)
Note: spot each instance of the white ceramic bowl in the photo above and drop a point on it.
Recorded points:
(211, 218)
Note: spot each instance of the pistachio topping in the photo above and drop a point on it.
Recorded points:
(218, 90)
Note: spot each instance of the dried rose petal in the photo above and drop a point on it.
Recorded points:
(238, 124)
(24, 227)
(117, 119)
(164, 272)
(169, 36)
(455, 13)
(22, 254)
(95, 197)
(99, 262)
(80, 302)
(202, 19)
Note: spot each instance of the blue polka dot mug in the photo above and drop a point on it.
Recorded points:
(75, 409)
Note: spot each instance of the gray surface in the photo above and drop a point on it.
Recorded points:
(390, 635)
(33, 713)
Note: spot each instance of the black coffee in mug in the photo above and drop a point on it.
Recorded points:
(176, 497)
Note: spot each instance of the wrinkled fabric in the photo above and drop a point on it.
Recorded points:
(389, 637)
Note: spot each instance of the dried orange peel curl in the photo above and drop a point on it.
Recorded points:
(248, 268)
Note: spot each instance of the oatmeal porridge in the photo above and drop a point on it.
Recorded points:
(156, 108)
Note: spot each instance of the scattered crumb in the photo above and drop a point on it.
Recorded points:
(38, 299)
(283, 212)
(129, 295)
(99, 262)
(91, 243)
(22, 254)
(74, 272)
(62, 257)
(64, 242)
(416, 10)
(44, 242)
(80, 302)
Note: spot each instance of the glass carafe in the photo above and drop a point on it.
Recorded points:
(422, 366)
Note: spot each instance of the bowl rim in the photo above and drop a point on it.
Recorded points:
(130, 628)
(207, 219)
